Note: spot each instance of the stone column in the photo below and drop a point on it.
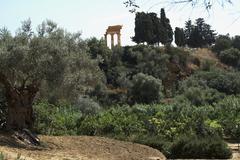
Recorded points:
(119, 39)
(106, 38)
(112, 40)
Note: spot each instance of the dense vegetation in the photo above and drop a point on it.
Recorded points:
(228, 50)
(146, 94)
(151, 29)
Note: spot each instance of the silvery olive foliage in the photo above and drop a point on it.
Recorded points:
(54, 60)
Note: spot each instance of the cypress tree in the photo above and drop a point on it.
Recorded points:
(166, 32)
(139, 28)
(179, 37)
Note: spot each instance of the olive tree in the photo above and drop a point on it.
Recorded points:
(28, 60)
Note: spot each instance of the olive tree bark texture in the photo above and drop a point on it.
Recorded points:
(19, 104)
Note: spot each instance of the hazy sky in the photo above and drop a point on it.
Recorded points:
(93, 16)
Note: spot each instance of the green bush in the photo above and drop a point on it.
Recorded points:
(206, 65)
(87, 106)
(192, 147)
(145, 59)
(231, 57)
(222, 43)
(227, 113)
(146, 89)
(224, 81)
(1, 156)
(100, 94)
(114, 122)
(156, 142)
(56, 120)
(202, 96)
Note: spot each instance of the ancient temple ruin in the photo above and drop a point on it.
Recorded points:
(112, 30)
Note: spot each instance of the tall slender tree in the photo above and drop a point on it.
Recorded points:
(166, 32)
(188, 30)
(179, 37)
(152, 29)
(144, 28)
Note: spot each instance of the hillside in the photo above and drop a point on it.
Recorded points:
(78, 148)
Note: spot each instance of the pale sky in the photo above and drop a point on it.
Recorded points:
(92, 17)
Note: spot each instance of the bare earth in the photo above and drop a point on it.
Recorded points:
(79, 148)
(236, 151)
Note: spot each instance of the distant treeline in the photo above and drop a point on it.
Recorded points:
(151, 29)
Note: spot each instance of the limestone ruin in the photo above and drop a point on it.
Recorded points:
(112, 30)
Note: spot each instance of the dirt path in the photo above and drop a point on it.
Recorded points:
(80, 148)
(236, 151)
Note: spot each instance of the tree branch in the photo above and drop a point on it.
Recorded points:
(207, 3)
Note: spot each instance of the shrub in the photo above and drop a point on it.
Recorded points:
(156, 142)
(202, 96)
(2, 156)
(146, 89)
(223, 81)
(207, 65)
(101, 94)
(222, 43)
(114, 122)
(87, 106)
(56, 120)
(178, 55)
(227, 113)
(146, 59)
(230, 57)
(192, 147)
(214, 127)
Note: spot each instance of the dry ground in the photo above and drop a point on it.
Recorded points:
(235, 149)
(204, 54)
(78, 148)
(84, 148)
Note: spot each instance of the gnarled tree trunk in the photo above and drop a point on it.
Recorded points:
(19, 109)
(19, 103)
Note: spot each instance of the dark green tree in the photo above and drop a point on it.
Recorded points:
(139, 28)
(156, 28)
(236, 42)
(146, 28)
(230, 57)
(222, 43)
(200, 34)
(151, 29)
(207, 35)
(99, 50)
(179, 37)
(166, 32)
(195, 40)
(189, 27)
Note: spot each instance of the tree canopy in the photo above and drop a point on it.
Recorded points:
(30, 60)
(152, 29)
(200, 34)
